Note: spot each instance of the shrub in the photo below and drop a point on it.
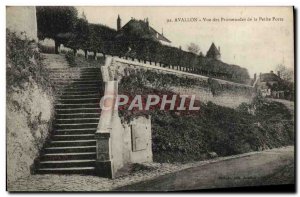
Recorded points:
(70, 58)
(24, 64)
(46, 49)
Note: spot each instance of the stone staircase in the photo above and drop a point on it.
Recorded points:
(72, 145)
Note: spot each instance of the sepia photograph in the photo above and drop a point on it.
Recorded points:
(150, 99)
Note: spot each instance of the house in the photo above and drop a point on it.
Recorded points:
(213, 52)
(141, 29)
(271, 85)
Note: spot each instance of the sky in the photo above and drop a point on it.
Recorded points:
(257, 45)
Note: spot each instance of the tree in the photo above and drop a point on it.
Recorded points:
(54, 20)
(285, 73)
(82, 35)
(193, 48)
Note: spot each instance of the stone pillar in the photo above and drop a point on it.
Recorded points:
(104, 165)
(103, 162)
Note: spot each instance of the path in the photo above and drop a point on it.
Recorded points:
(92, 183)
(264, 168)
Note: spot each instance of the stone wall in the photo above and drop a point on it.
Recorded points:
(229, 94)
(22, 20)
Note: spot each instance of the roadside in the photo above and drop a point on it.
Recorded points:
(263, 163)
(270, 167)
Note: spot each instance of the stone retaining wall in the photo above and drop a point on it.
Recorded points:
(229, 94)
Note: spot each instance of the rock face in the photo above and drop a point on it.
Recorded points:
(22, 20)
(28, 120)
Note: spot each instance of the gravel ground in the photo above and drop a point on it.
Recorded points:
(94, 183)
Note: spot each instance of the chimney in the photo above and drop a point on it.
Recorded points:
(147, 22)
(278, 74)
(259, 75)
(219, 49)
(118, 23)
(254, 77)
(271, 72)
(162, 31)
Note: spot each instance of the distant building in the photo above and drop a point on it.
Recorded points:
(213, 52)
(141, 28)
(271, 85)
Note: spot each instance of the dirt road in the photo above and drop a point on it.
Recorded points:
(264, 168)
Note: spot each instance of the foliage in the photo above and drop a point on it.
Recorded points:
(155, 52)
(193, 48)
(24, 64)
(101, 38)
(80, 35)
(70, 58)
(285, 73)
(55, 20)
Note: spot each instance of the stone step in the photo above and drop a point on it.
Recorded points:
(83, 92)
(78, 96)
(91, 70)
(74, 68)
(71, 149)
(72, 143)
(72, 78)
(59, 137)
(77, 120)
(68, 70)
(68, 163)
(68, 156)
(76, 105)
(77, 115)
(73, 73)
(77, 82)
(75, 131)
(81, 110)
(78, 86)
(75, 125)
(80, 89)
(79, 170)
(78, 100)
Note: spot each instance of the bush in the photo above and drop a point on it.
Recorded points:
(70, 58)
(46, 49)
(24, 64)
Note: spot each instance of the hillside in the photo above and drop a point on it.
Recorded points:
(29, 105)
(181, 136)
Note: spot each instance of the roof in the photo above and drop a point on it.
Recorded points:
(140, 28)
(213, 51)
(266, 77)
